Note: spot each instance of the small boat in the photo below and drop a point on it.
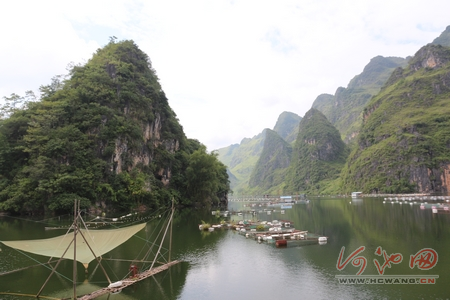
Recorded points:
(356, 194)
(281, 243)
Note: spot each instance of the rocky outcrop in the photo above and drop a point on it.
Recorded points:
(147, 132)
(344, 108)
(287, 126)
(143, 131)
(404, 143)
(318, 155)
(443, 39)
(274, 161)
(430, 57)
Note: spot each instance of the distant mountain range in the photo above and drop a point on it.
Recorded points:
(387, 131)
(242, 158)
(344, 108)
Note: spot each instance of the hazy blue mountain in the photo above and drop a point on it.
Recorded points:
(270, 169)
(394, 118)
(287, 126)
(241, 159)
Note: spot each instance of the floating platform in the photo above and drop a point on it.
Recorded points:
(120, 285)
(279, 233)
(286, 238)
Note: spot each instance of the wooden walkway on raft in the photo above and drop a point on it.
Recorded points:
(128, 282)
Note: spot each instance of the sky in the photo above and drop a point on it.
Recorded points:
(228, 67)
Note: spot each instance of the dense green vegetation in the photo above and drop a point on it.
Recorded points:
(319, 154)
(242, 159)
(394, 117)
(271, 167)
(344, 108)
(404, 142)
(105, 135)
(444, 38)
(287, 126)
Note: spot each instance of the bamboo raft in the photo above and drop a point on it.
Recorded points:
(126, 283)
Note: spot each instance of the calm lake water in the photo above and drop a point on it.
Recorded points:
(226, 265)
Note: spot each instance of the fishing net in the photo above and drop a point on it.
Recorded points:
(100, 241)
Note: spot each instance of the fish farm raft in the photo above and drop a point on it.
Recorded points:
(278, 233)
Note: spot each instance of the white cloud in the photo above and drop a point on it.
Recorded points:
(38, 43)
(229, 68)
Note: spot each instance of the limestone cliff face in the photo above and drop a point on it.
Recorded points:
(344, 108)
(271, 166)
(316, 131)
(405, 138)
(242, 159)
(431, 57)
(444, 38)
(107, 137)
(126, 158)
(318, 155)
(144, 155)
(287, 126)
(138, 129)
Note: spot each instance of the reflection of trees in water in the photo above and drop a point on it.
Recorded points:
(165, 285)
(186, 235)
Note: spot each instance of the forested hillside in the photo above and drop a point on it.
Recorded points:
(106, 136)
(287, 126)
(319, 155)
(394, 116)
(271, 167)
(443, 39)
(405, 139)
(242, 158)
(344, 108)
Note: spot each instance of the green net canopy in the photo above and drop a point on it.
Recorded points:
(100, 241)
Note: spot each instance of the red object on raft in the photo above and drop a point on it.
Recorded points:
(133, 270)
(281, 243)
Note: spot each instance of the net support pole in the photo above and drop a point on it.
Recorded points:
(170, 238)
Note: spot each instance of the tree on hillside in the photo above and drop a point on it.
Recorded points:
(105, 135)
(206, 177)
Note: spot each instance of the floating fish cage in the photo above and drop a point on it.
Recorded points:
(278, 233)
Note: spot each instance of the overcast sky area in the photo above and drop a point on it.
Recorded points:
(229, 68)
